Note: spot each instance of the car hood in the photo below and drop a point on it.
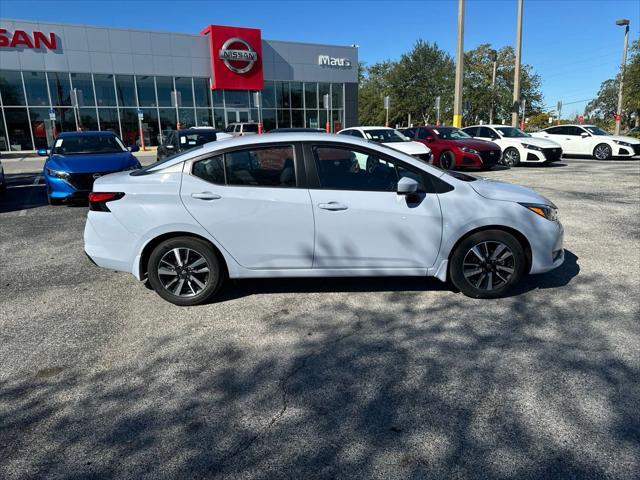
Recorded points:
(508, 192)
(91, 163)
(624, 138)
(538, 142)
(476, 144)
(410, 148)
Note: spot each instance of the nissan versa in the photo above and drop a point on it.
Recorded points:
(315, 205)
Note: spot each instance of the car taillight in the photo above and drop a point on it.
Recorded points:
(98, 200)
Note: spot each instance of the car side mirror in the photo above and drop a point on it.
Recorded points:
(134, 148)
(407, 186)
(584, 135)
(43, 152)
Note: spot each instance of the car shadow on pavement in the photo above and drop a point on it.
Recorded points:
(24, 191)
(235, 289)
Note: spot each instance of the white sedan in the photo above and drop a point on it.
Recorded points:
(590, 140)
(298, 205)
(517, 146)
(391, 138)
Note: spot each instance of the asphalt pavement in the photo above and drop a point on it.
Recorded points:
(388, 378)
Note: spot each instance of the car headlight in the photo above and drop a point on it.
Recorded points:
(58, 173)
(528, 146)
(624, 144)
(547, 211)
(469, 150)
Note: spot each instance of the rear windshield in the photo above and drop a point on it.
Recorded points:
(88, 144)
(250, 127)
(193, 139)
(149, 168)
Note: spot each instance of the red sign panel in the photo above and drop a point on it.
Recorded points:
(236, 57)
(22, 39)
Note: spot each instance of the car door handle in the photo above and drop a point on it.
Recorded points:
(333, 206)
(206, 196)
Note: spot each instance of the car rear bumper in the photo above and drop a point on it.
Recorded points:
(107, 243)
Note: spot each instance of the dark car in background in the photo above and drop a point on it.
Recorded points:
(452, 148)
(297, 130)
(76, 159)
(179, 141)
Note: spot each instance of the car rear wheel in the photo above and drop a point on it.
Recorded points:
(447, 160)
(602, 151)
(487, 264)
(511, 157)
(185, 271)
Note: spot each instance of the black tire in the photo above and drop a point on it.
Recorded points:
(511, 157)
(54, 201)
(602, 151)
(447, 160)
(469, 284)
(214, 280)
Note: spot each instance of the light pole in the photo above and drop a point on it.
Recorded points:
(494, 57)
(516, 73)
(457, 99)
(622, 23)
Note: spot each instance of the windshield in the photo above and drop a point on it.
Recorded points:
(596, 131)
(511, 132)
(88, 144)
(450, 133)
(387, 135)
(193, 139)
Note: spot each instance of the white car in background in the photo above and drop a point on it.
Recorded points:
(517, 146)
(391, 138)
(591, 140)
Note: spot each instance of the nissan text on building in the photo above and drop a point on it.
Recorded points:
(58, 77)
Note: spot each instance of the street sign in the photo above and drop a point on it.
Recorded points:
(385, 102)
(325, 100)
(559, 105)
(617, 118)
(580, 118)
(52, 114)
(550, 120)
(140, 115)
(438, 101)
(176, 98)
(256, 99)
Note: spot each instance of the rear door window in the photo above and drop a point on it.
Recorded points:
(264, 167)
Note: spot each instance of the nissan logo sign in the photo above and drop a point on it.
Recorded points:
(238, 60)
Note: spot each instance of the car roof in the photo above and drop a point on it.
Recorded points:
(284, 137)
(89, 133)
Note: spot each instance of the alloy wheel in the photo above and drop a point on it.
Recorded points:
(511, 157)
(602, 152)
(488, 265)
(183, 272)
(447, 161)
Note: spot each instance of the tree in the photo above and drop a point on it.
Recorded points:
(631, 92)
(477, 92)
(426, 72)
(412, 84)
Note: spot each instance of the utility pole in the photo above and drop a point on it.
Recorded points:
(559, 108)
(494, 57)
(438, 111)
(457, 99)
(516, 73)
(622, 23)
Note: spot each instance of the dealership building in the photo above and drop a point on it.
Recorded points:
(141, 84)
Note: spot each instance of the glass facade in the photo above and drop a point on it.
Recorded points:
(85, 101)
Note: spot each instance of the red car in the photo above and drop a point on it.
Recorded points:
(453, 148)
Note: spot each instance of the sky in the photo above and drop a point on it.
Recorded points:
(573, 44)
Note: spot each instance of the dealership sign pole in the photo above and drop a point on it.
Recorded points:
(258, 104)
(325, 100)
(385, 101)
(140, 117)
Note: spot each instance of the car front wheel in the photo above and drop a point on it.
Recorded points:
(487, 264)
(185, 271)
(447, 160)
(511, 157)
(602, 151)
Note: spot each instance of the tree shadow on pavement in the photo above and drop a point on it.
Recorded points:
(350, 389)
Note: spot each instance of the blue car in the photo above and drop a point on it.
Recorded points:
(76, 159)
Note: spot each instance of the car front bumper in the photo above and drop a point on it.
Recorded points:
(547, 251)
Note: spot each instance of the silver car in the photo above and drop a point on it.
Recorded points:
(315, 205)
